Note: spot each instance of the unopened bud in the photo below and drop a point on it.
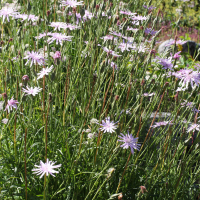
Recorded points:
(120, 196)
(143, 189)
(4, 95)
(116, 97)
(48, 12)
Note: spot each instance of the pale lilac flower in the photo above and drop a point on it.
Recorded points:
(115, 33)
(46, 168)
(5, 12)
(108, 37)
(30, 17)
(71, 3)
(31, 90)
(141, 18)
(189, 105)
(4, 121)
(149, 8)
(112, 64)
(57, 56)
(148, 94)
(188, 76)
(125, 46)
(11, 104)
(108, 126)
(172, 42)
(35, 57)
(41, 35)
(193, 127)
(129, 141)
(58, 25)
(132, 29)
(164, 123)
(166, 63)
(88, 15)
(149, 31)
(177, 56)
(58, 37)
(127, 12)
(73, 27)
(44, 71)
(110, 52)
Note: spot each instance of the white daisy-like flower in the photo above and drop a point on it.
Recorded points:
(58, 37)
(5, 12)
(46, 168)
(108, 126)
(71, 3)
(31, 90)
(44, 71)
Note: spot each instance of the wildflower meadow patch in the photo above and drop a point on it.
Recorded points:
(88, 107)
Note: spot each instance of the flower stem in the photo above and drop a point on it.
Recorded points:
(123, 172)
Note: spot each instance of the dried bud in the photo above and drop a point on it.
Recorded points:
(120, 196)
(10, 40)
(124, 19)
(94, 77)
(143, 189)
(117, 17)
(142, 82)
(141, 27)
(116, 97)
(48, 12)
(25, 78)
(2, 42)
(167, 83)
(50, 96)
(111, 4)
(19, 53)
(74, 10)
(176, 38)
(4, 95)
(176, 97)
(118, 22)
(153, 52)
(97, 7)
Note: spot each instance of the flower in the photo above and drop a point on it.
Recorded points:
(4, 121)
(149, 31)
(58, 37)
(108, 126)
(166, 63)
(110, 52)
(31, 90)
(149, 8)
(193, 127)
(58, 25)
(176, 55)
(127, 12)
(46, 168)
(129, 141)
(71, 3)
(35, 57)
(44, 71)
(57, 55)
(181, 42)
(6, 12)
(164, 123)
(11, 104)
(187, 76)
(32, 18)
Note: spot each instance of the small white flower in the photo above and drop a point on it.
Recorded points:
(45, 168)
(31, 90)
(44, 71)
